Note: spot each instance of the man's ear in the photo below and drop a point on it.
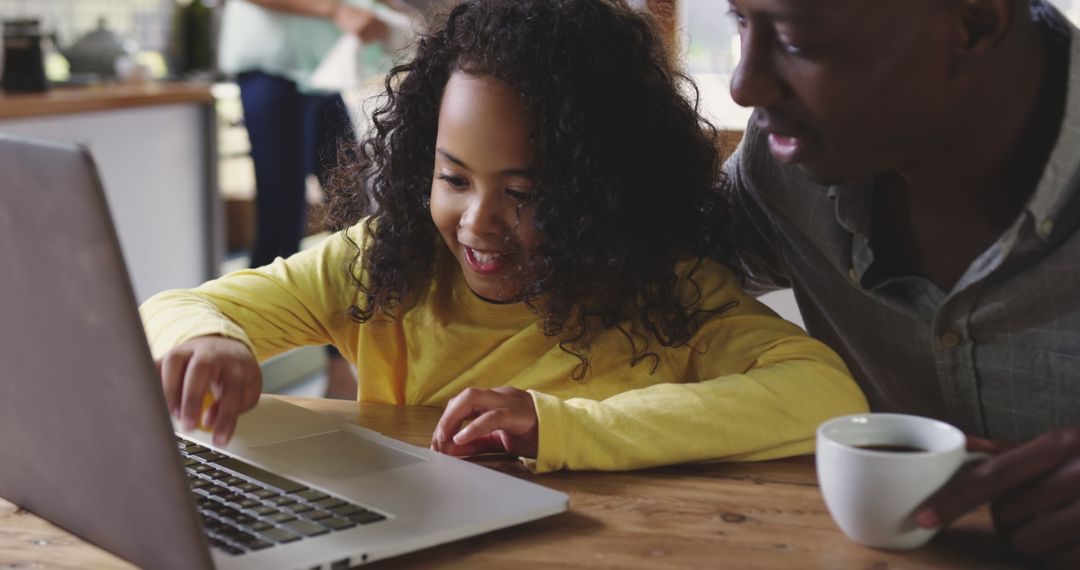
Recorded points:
(981, 26)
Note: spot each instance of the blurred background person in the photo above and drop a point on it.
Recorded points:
(273, 48)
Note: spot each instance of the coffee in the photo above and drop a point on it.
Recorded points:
(873, 496)
(892, 448)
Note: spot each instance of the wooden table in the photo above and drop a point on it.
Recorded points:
(758, 515)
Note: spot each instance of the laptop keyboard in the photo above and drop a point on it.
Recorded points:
(245, 508)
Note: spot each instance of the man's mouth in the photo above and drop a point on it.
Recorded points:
(485, 261)
(786, 142)
(786, 148)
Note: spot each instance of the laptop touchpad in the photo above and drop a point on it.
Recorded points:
(337, 454)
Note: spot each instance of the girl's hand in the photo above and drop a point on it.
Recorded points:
(359, 22)
(222, 366)
(503, 421)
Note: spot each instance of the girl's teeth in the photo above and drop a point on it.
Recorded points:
(485, 256)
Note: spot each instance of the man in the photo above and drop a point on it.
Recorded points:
(912, 171)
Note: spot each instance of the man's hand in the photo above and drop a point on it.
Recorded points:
(1034, 491)
(226, 368)
(503, 420)
(359, 22)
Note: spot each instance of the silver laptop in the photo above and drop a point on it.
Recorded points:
(87, 443)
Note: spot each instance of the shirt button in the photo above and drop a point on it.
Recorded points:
(1046, 228)
(950, 340)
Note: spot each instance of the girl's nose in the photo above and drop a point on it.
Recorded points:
(755, 82)
(482, 215)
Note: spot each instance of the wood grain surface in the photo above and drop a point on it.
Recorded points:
(751, 515)
(100, 98)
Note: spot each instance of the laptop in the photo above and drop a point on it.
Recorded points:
(88, 444)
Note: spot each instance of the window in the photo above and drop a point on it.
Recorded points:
(709, 41)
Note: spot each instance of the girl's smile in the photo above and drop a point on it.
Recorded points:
(485, 262)
(482, 189)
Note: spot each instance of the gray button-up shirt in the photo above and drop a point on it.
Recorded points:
(997, 356)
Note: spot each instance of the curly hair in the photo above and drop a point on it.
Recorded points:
(627, 180)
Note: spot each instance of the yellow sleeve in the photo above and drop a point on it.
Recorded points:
(299, 301)
(757, 390)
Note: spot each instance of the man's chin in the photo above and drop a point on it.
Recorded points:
(827, 181)
(823, 175)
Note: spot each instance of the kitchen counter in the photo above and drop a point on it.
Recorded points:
(66, 100)
(155, 149)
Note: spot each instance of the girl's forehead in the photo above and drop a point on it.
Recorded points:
(484, 123)
(478, 85)
(481, 98)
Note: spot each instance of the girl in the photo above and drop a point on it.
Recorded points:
(534, 236)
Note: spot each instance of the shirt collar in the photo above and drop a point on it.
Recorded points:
(1060, 180)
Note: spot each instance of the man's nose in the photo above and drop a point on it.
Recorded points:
(755, 82)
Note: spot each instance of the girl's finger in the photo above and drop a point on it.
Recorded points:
(172, 367)
(230, 403)
(470, 403)
(499, 419)
(197, 379)
(488, 443)
(253, 389)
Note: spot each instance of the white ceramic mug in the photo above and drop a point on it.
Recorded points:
(871, 494)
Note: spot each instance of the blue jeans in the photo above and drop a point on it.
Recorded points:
(292, 134)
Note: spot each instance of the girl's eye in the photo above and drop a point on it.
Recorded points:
(520, 196)
(453, 181)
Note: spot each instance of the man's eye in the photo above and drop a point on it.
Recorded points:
(792, 49)
(737, 16)
(804, 48)
(800, 50)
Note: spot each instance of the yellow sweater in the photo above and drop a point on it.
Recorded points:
(750, 386)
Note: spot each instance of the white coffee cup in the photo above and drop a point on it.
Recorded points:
(872, 494)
